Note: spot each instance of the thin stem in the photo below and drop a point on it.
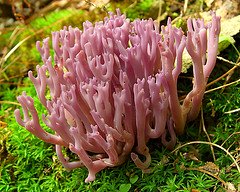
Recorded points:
(205, 131)
(235, 133)
(10, 102)
(220, 87)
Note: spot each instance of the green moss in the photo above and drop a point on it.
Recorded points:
(143, 9)
(28, 164)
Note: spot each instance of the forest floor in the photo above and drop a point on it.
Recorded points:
(205, 158)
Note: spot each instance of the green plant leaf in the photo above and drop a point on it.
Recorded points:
(124, 187)
(224, 42)
(133, 179)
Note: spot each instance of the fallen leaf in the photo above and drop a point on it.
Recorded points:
(210, 167)
(230, 187)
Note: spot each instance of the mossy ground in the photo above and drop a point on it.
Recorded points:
(28, 164)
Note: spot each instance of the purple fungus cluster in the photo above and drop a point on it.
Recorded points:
(111, 87)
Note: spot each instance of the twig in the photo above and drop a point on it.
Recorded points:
(232, 111)
(226, 60)
(52, 6)
(225, 74)
(220, 87)
(205, 131)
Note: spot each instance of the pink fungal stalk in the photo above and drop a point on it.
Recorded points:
(113, 86)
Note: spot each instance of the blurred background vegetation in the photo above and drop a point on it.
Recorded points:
(28, 164)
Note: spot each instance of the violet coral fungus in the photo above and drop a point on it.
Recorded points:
(113, 86)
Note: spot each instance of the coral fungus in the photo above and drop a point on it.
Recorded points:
(113, 86)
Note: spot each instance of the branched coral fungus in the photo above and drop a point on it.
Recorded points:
(113, 86)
